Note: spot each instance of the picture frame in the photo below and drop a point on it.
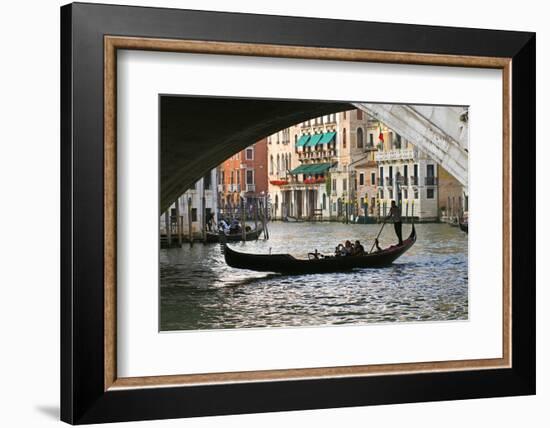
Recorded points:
(91, 392)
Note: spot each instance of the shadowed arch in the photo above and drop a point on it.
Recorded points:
(198, 133)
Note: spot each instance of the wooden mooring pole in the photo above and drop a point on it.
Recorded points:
(190, 219)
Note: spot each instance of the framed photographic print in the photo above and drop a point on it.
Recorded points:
(266, 213)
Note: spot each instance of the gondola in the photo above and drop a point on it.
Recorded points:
(463, 226)
(251, 235)
(317, 263)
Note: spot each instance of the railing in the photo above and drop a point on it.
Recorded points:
(389, 181)
(380, 181)
(414, 180)
(431, 181)
(314, 180)
(393, 155)
(250, 187)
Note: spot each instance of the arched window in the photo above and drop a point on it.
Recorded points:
(359, 137)
(278, 164)
(271, 164)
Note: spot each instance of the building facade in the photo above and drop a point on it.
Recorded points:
(348, 167)
(194, 212)
(243, 178)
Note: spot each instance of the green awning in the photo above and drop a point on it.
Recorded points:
(302, 140)
(327, 138)
(302, 169)
(319, 168)
(314, 139)
(312, 168)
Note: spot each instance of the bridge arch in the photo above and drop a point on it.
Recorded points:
(198, 133)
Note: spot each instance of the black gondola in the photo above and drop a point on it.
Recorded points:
(317, 263)
(251, 235)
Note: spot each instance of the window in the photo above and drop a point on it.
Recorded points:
(344, 138)
(430, 193)
(361, 179)
(324, 201)
(334, 184)
(359, 114)
(193, 214)
(345, 184)
(381, 176)
(249, 176)
(232, 177)
(271, 164)
(249, 153)
(344, 115)
(398, 141)
(405, 194)
(382, 193)
(278, 164)
(371, 139)
(237, 173)
(359, 137)
(372, 178)
(416, 194)
(207, 180)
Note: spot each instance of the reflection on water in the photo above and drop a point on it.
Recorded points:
(429, 282)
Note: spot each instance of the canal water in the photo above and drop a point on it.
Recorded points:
(428, 283)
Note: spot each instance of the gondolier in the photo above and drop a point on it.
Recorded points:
(395, 215)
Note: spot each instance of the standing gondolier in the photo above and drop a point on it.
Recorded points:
(395, 215)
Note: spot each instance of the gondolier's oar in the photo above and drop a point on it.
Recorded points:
(377, 236)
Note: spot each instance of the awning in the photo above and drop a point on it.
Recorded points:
(312, 168)
(313, 140)
(327, 138)
(302, 140)
(319, 168)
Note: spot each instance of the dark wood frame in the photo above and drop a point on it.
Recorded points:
(89, 389)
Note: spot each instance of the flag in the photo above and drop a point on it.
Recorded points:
(380, 135)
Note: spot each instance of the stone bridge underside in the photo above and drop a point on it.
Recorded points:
(198, 133)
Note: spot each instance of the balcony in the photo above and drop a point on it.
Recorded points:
(380, 181)
(414, 180)
(233, 187)
(430, 181)
(250, 187)
(221, 188)
(317, 180)
(396, 155)
(389, 181)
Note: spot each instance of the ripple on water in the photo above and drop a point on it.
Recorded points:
(429, 283)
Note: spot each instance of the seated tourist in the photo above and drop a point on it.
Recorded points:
(348, 249)
(358, 249)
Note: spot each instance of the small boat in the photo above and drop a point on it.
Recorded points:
(251, 235)
(316, 263)
(463, 226)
